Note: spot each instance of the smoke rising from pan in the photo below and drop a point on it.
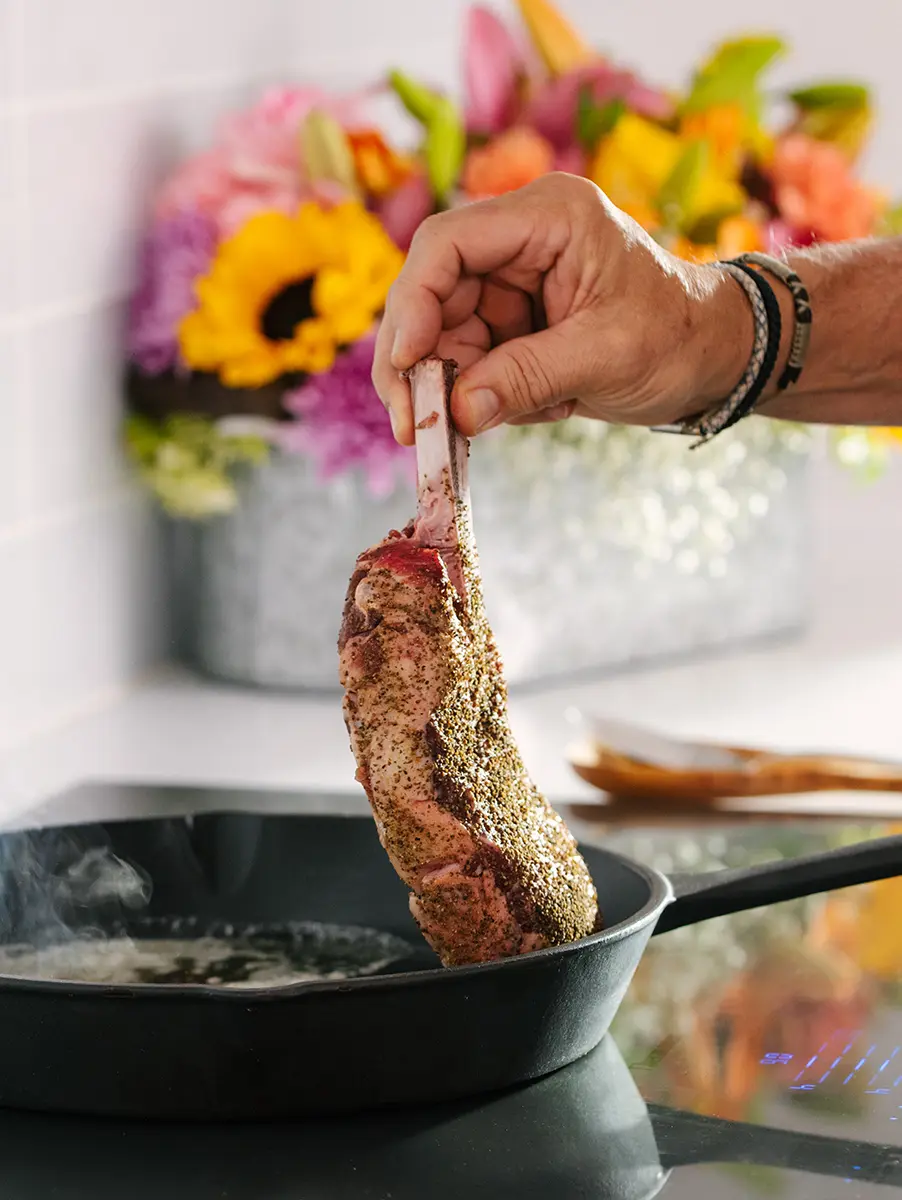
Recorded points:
(100, 876)
(54, 888)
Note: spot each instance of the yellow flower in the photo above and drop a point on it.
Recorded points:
(283, 293)
(558, 44)
(634, 162)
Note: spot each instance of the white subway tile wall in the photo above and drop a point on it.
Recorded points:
(11, 438)
(97, 99)
(9, 276)
(76, 455)
(7, 49)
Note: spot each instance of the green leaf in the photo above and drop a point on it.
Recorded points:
(731, 75)
(831, 95)
(444, 148)
(142, 439)
(593, 121)
(326, 151)
(195, 495)
(186, 462)
(679, 188)
(421, 102)
(190, 431)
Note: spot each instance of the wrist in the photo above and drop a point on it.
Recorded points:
(721, 333)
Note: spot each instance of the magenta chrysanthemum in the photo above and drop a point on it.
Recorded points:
(176, 252)
(342, 424)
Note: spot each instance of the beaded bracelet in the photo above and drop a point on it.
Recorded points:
(801, 334)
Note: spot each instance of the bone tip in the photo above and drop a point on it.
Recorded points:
(449, 366)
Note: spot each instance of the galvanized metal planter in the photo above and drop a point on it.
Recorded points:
(596, 553)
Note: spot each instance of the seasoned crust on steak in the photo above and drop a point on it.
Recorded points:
(492, 868)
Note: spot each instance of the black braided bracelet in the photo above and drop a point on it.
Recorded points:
(801, 334)
(774, 335)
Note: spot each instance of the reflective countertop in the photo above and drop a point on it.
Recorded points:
(785, 1020)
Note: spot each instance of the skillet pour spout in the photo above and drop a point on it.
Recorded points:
(414, 1035)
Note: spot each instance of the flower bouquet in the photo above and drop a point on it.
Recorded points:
(262, 278)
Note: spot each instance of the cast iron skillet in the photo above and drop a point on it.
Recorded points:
(421, 1034)
(577, 1133)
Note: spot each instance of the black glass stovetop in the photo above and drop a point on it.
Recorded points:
(755, 1056)
(771, 1030)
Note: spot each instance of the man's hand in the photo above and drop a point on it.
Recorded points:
(554, 302)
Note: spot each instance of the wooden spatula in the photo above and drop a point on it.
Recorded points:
(626, 761)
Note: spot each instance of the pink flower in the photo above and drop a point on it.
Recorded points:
(403, 210)
(201, 184)
(493, 66)
(572, 160)
(342, 426)
(779, 236)
(554, 106)
(255, 165)
(261, 144)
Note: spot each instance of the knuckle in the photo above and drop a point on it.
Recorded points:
(428, 231)
(572, 189)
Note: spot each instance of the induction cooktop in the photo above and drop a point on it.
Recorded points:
(755, 1055)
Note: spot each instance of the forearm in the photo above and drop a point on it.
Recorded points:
(853, 372)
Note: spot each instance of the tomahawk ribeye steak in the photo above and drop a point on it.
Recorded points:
(492, 869)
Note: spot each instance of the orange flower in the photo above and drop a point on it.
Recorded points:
(738, 235)
(723, 128)
(379, 169)
(730, 133)
(683, 248)
(816, 191)
(509, 162)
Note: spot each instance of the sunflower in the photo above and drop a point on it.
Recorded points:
(285, 292)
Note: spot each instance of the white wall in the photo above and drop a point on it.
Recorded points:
(96, 98)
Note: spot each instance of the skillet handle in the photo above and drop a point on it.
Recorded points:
(717, 893)
(685, 1139)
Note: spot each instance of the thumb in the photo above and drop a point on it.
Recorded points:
(518, 379)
